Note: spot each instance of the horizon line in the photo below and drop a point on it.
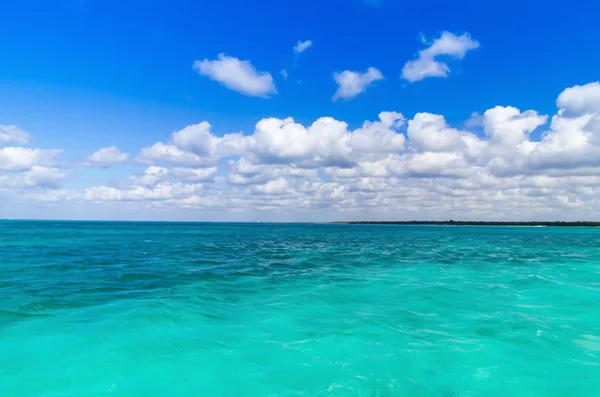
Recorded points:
(363, 222)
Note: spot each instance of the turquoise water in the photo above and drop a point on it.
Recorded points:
(160, 309)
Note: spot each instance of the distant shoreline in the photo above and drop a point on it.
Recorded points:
(470, 223)
(407, 223)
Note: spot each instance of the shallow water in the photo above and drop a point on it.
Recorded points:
(173, 309)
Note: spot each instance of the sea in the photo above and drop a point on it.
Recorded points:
(208, 309)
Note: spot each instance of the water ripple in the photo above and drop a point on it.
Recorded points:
(127, 309)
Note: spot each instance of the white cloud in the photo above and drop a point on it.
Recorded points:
(26, 169)
(151, 176)
(426, 64)
(284, 74)
(36, 177)
(580, 100)
(51, 178)
(276, 186)
(301, 46)
(169, 153)
(326, 142)
(12, 134)
(106, 157)
(237, 75)
(278, 141)
(353, 83)
(194, 145)
(508, 126)
(432, 164)
(392, 168)
(162, 191)
(199, 140)
(244, 172)
(19, 158)
(194, 174)
(430, 133)
(154, 174)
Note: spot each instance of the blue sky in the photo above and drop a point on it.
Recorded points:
(81, 75)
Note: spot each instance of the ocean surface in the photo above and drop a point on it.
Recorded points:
(184, 309)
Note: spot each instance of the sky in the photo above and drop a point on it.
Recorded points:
(299, 110)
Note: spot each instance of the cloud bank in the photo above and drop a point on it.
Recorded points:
(519, 165)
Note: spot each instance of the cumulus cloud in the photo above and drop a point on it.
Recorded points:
(162, 191)
(237, 75)
(279, 141)
(154, 174)
(350, 84)
(430, 133)
(326, 142)
(580, 100)
(12, 134)
(106, 157)
(301, 46)
(36, 177)
(507, 126)
(199, 140)
(168, 152)
(244, 172)
(26, 171)
(428, 64)
(518, 164)
(14, 158)
(50, 178)
(194, 145)
(276, 186)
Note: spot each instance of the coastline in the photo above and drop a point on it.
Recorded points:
(474, 223)
(406, 223)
